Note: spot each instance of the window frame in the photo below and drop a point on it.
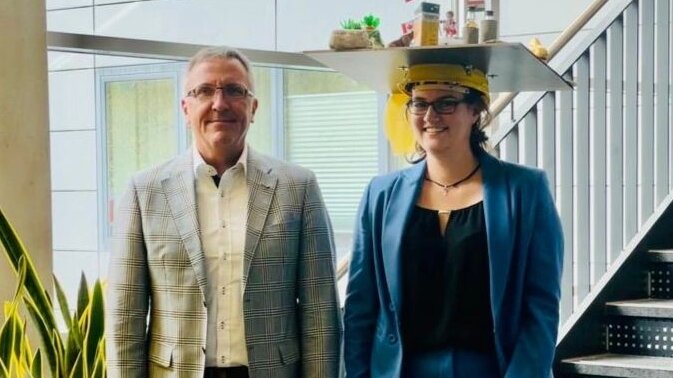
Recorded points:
(103, 77)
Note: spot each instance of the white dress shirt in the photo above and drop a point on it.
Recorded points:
(222, 215)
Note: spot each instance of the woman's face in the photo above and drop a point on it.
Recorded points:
(440, 120)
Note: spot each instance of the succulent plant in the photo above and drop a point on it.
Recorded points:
(370, 21)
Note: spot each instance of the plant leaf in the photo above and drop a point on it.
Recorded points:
(27, 350)
(99, 365)
(72, 347)
(78, 368)
(96, 328)
(33, 286)
(62, 302)
(22, 277)
(82, 296)
(7, 339)
(19, 340)
(57, 341)
(14, 369)
(36, 365)
(83, 324)
(4, 372)
(45, 335)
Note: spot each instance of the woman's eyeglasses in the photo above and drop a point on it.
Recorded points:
(443, 105)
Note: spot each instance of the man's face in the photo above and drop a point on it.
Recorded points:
(219, 120)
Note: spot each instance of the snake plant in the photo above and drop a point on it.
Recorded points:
(81, 353)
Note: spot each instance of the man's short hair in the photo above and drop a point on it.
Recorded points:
(221, 52)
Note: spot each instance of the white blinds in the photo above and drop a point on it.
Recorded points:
(335, 135)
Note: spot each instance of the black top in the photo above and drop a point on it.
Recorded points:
(445, 282)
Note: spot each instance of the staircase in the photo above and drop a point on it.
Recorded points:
(607, 148)
(637, 333)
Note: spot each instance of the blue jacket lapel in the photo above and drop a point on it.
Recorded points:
(178, 186)
(499, 223)
(403, 197)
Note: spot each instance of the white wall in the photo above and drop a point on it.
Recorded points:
(290, 25)
(520, 20)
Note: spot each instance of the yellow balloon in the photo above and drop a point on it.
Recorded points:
(397, 127)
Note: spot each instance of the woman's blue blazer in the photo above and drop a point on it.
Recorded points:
(525, 246)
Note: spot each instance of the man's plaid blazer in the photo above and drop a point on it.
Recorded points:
(291, 310)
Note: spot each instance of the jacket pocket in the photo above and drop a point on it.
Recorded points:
(289, 352)
(161, 353)
(291, 225)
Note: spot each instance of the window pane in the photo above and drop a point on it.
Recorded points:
(331, 127)
(259, 134)
(140, 120)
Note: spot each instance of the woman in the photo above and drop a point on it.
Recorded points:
(457, 260)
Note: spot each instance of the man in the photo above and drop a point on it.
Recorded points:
(230, 252)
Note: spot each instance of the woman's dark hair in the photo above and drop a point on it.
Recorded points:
(478, 137)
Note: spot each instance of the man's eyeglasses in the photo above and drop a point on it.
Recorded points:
(206, 92)
(443, 105)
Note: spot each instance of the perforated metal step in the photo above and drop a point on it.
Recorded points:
(660, 255)
(639, 336)
(619, 365)
(660, 280)
(646, 308)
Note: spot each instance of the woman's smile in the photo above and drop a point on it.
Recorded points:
(435, 129)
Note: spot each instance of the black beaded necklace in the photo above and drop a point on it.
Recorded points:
(446, 187)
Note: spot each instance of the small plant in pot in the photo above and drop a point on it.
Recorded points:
(350, 36)
(371, 24)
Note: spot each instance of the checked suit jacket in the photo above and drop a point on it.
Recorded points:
(156, 314)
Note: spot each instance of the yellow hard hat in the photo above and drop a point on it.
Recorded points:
(397, 127)
(447, 76)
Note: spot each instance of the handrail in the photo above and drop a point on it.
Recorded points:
(342, 268)
(505, 98)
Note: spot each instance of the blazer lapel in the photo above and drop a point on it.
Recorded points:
(261, 188)
(178, 187)
(499, 226)
(403, 197)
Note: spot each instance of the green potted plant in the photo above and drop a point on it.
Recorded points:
(80, 353)
(16, 357)
(350, 36)
(371, 24)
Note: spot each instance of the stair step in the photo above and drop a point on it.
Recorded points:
(647, 308)
(660, 279)
(620, 365)
(660, 255)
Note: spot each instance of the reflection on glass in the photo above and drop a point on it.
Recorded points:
(140, 130)
(259, 134)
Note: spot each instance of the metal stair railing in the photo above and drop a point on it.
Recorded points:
(561, 41)
(606, 145)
